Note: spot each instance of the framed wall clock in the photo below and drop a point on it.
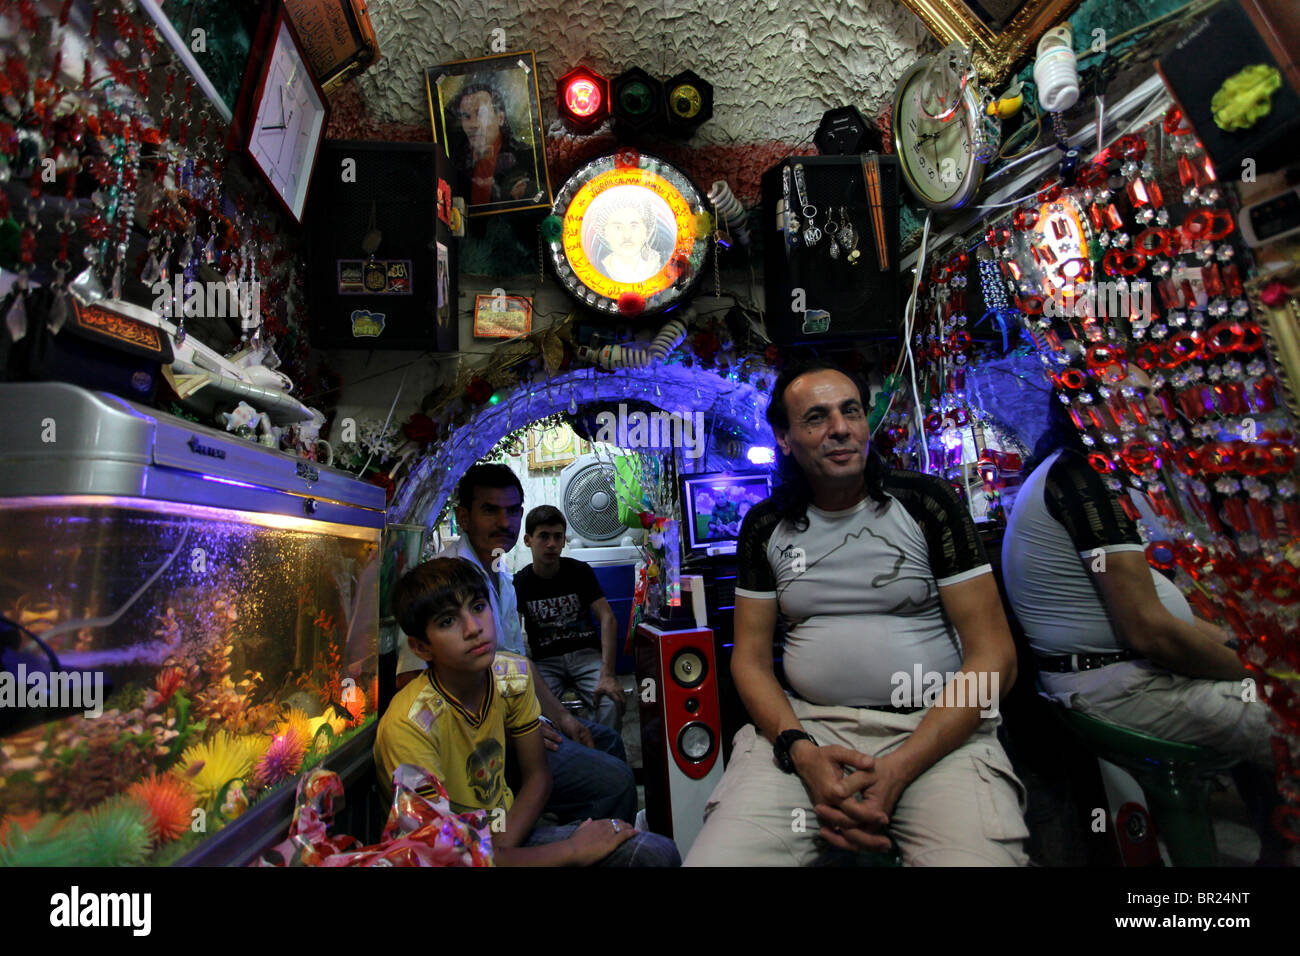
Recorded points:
(626, 235)
(282, 114)
(937, 126)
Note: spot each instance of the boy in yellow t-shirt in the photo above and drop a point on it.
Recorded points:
(455, 719)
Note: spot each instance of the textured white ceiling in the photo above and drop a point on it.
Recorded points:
(775, 67)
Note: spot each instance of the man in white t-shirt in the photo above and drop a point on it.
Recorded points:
(1115, 639)
(898, 653)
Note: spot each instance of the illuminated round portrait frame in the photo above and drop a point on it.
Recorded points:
(629, 224)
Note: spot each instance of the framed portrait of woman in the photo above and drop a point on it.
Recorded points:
(487, 114)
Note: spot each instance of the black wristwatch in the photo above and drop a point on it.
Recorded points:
(781, 749)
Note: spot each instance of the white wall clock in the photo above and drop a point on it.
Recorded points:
(936, 126)
(282, 122)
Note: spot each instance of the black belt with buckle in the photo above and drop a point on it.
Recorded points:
(891, 709)
(1070, 663)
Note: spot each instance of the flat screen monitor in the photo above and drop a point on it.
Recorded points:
(713, 507)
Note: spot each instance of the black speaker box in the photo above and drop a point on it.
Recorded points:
(390, 302)
(812, 297)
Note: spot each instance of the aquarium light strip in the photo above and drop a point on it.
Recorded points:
(200, 512)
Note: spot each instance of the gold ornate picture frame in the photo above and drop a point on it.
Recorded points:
(997, 45)
(554, 447)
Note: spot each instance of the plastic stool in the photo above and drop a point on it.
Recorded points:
(1173, 776)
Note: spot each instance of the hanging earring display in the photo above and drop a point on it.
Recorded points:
(811, 234)
(849, 237)
(832, 229)
(791, 220)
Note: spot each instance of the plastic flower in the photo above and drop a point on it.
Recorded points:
(210, 765)
(297, 723)
(169, 804)
(282, 759)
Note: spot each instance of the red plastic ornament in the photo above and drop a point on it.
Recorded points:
(1100, 463)
(1182, 347)
(1148, 355)
(1119, 262)
(1208, 224)
(631, 304)
(1232, 280)
(1230, 398)
(1175, 124)
(1139, 456)
(1072, 378)
(1264, 399)
(1160, 555)
(1030, 304)
(1102, 356)
(1024, 219)
(1291, 511)
(997, 236)
(1131, 147)
(1235, 514)
(1153, 242)
(1262, 516)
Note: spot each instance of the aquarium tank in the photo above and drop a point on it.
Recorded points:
(188, 622)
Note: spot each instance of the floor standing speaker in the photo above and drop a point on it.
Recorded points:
(681, 728)
(820, 288)
(382, 264)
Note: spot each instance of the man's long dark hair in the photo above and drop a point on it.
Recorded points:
(1061, 432)
(793, 492)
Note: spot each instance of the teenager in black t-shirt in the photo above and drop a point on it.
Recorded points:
(558, 597)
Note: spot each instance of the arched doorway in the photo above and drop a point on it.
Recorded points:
(727, 406)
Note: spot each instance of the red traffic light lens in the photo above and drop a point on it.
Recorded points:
(582, 97)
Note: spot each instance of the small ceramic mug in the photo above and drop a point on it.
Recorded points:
(325, 457)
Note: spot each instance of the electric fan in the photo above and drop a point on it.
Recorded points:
(590, 505)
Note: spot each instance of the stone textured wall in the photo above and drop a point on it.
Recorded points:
(763, 88)
(775, 67)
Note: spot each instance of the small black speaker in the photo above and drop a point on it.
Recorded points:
(812, 295)
(382, 265)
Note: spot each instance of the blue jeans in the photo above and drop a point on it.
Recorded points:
(579, 671)
(591, 782)
(644, 849)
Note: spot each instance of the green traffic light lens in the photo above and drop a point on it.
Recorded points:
(635, 98)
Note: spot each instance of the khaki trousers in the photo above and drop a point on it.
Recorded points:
(1144, 696)
(966, 810)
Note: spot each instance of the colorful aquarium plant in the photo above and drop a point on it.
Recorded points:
(170, 804)
(281, 760)
(115, 833)
(210, 765)
(353, 699)
(165, 684)
(48, 840)
(297, 724)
